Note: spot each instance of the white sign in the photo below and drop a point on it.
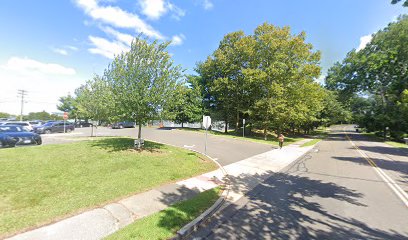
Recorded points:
(243, 121)
(206, 122)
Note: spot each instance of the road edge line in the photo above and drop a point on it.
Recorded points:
(401, 194)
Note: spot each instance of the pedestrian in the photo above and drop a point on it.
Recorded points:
(281, 139)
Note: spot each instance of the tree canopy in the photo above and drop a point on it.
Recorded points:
(377, 77)
(267, 77)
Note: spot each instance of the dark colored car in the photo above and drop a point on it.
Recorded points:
(53, 127)
(124, 124)
(15, 135)
(82, 124)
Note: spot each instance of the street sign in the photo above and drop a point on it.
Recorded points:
(206, 125)
(65, 116)
(206, 122)
(243, 127)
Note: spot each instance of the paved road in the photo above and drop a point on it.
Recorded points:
(225, 150)
(330, 194)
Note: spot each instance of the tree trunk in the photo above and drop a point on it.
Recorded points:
(139, 134)
(226, 127)
(385, 133)
(265, 134)
(237, 122)
(182, 125)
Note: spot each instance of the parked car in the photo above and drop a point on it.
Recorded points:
(82, 124)
(16, 135)
(36, 123)
(124, 124)
(26, 125)
(52, 127)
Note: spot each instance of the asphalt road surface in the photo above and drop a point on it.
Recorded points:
(333, 192)
(225, 150)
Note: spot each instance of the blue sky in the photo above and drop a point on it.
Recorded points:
(50, 47)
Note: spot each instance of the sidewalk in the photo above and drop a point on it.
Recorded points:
(103, 221)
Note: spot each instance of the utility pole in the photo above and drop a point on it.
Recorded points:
(21, 94)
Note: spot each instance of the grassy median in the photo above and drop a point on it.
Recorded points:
(47, 183)
(253, 137)
(164, 224)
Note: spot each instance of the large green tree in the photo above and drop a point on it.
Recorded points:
(222, 73)
(67, 104)
(268, 77)
(95, 100)
(142, 81)
(380, 73)
(186, 105)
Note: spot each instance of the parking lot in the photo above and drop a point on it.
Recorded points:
(225, 150)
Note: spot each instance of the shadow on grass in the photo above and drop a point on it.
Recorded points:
(116, 144)
(181, 213)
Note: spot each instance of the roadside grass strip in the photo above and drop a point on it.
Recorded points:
(272, 140)
(164, 224)
(44, 184)
(311, 143)
(391, 143)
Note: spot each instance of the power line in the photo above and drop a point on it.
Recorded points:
(21, 94)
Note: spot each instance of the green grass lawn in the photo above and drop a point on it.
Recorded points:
(311, 143)
(164, 224)
(46, 183)
(255, 137)
(391, 143)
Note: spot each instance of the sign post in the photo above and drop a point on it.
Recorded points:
(243, 127)
(206, 124)
(65, 118)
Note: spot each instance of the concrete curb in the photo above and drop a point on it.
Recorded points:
(193, 225)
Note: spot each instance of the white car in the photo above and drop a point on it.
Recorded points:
(25, 125)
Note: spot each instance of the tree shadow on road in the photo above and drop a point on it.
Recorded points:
(397, 166)
(386, 150)
(116, 144)
(287, 206)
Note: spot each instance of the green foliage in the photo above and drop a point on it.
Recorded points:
(41, 116)
(379, 73)
(334, 111)
(142, 81)
(164, 224)
(95, 100)
(68, 104)
(186, 104)
(266, 78)
(4, 115)
(405, 4)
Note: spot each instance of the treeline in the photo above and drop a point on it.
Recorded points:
(267, 78)
(33, 116)
(373, 82)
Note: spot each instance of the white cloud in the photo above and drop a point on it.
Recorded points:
(154, 9)
(177, 39)
(364, 40)
(177, 12)
(106, 48)
(30, 65)
(45, 83)
(60, 51)
(122, 37)
(117, 17)
(207, 4)
(72, 48)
